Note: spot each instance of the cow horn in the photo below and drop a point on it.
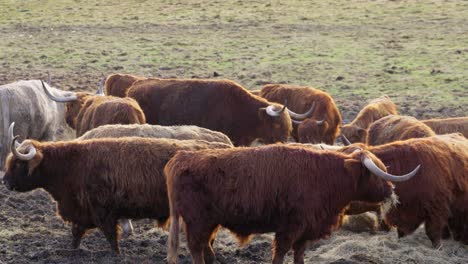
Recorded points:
(28, 156)
(100, 91)
(320, 122)
(296, 121)
(58, 99)
(345, 140)
(11, 135)
(272, 112)
(304, 115)
(370, 165)
(49, 79)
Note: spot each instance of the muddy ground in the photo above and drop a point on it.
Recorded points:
(414, 51)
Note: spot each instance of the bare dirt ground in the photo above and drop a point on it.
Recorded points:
(414, 51)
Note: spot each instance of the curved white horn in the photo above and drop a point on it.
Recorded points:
(11, 134)
(272, 112)
(304, 115)
(320, 122)
(296, 121)
(100, 91)
(345, 140)
(28, 156)
(58, 99)
(370, 165)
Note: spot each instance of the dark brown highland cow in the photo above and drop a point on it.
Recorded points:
(97, 182)
(395, 127)
(219, 105)
(321, 125)
(438, 196)
(86, 111)
(356, 131)
(297, 193)
(448, 125)
(118, 84)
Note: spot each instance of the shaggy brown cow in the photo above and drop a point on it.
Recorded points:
(296, 192)
(219, 105)
(118, 84)
(448, 125)
(395, 127)
(96, 182)
(356, 131)
(86, 111)
(438, 196)
(322, 125)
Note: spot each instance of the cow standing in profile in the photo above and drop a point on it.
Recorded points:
(356, 131)
(291, 191)
(448, 125)
(438, 196)
(395, 127)
(321, 122)
(219, 105)
(86, 111)
(97, 182)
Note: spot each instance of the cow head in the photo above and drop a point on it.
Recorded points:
(354, 133)
(312, 130)
(21, 164)
(374, 184)
(74, 102)
(275, 124)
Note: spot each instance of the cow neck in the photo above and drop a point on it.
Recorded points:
(54, 168)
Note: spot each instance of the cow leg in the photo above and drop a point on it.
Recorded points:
(299, 249)
(77, 232)
(382, 225)
(434, 232)
(109, 228)
(208, 252)
(198, 240)
(283, 242)
(446, 232)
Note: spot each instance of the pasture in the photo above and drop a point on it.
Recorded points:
(416, 52)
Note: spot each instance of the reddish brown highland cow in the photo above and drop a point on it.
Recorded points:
(97, 182)
(86, 111)
(356, 131)
(298, 193)
(320, 125)
(438, 196)
(448, 125)
(219, 105)
(118, 84)
(395, 127)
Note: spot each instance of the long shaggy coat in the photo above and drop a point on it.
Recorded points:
(219, 105)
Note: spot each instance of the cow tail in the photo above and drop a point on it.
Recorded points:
(173, 240)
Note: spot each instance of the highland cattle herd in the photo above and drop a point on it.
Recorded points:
(204, 154)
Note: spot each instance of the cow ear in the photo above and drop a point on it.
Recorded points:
(32, 164)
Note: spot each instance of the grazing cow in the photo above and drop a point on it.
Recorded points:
(86, 111)
(291, 191)
(395, 127)
(320, 125)
(155, 131)
(219, 105)
(118, 84)
(438, 196)
(356, 131)
(96, 182)
(448, 125)
(39, 118)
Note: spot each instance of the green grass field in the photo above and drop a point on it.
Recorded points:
(414, 51)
